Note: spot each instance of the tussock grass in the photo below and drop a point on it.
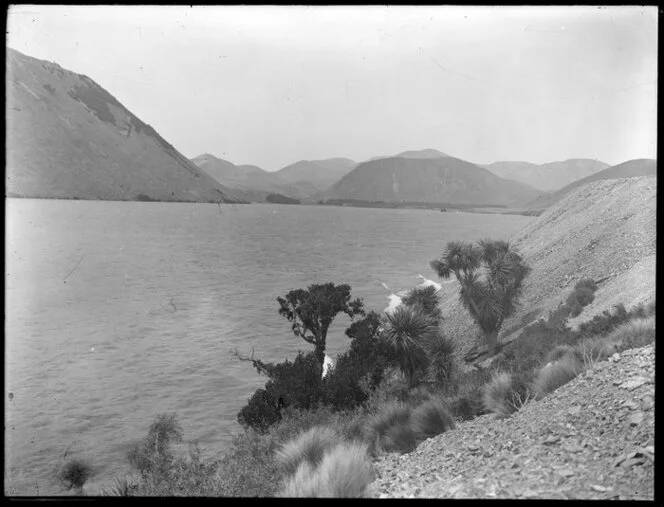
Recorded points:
(390, 429)
(431, 418)
(505, 394)
(594, 350)
(634, 334)
(554, 375)
(344, 472)
(309, 447)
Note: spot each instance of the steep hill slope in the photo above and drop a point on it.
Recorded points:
(550, 176)
(433, 180)
(631, 168)
(605, 230)
(67, 137)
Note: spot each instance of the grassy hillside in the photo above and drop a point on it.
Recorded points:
(446, 180)
(67, 137)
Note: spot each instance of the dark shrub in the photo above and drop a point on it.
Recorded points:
(574, 305)
(528, 351)
(557, 320)
(604, 323)
(75, 473)
(292, 384)
(585, 296)
(261, 412)
(588, 283)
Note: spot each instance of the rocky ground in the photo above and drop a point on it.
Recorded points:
(593, 438)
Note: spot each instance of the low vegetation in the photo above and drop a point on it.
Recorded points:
(345, 471)
(399, 383)
(74, 473)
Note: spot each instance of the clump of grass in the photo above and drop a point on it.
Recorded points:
(505, 394)
(634, 334)
(309, 447)
(345, 472)
(74, 473)
(554, 375)
(390, 428)
(432, 418)
(594, 350)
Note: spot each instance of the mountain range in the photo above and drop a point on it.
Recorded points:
(629, 169)
(300, 180)
(425, 179)
(550, 176)
(67, 137)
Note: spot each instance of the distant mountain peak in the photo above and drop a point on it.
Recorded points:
(426, 153)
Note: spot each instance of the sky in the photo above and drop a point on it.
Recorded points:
(271, 85)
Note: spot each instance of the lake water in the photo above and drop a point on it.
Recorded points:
(118, 311)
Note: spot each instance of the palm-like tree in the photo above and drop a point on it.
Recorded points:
(491, 276)
(406, 330)
(426, 299)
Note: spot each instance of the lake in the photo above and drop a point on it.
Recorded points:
(119, 311)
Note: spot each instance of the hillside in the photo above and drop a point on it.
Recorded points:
(67, 137)
(443, 180)
(605, 230)
(319, 173)
(591, 439)
(250, 182)
(550, 176)
(631, 168)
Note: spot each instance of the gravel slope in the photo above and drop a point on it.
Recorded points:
(603, 230)
(593, 438)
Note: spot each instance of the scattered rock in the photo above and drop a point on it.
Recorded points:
(635, 419)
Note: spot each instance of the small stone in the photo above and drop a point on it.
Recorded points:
(635, 419)
(615, 357)
(551, 440)
(601, 489)
(634, 383)
(632, 404)
(573, 448)
(566, 472)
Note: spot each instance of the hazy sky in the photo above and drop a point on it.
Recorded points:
(272, 85)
